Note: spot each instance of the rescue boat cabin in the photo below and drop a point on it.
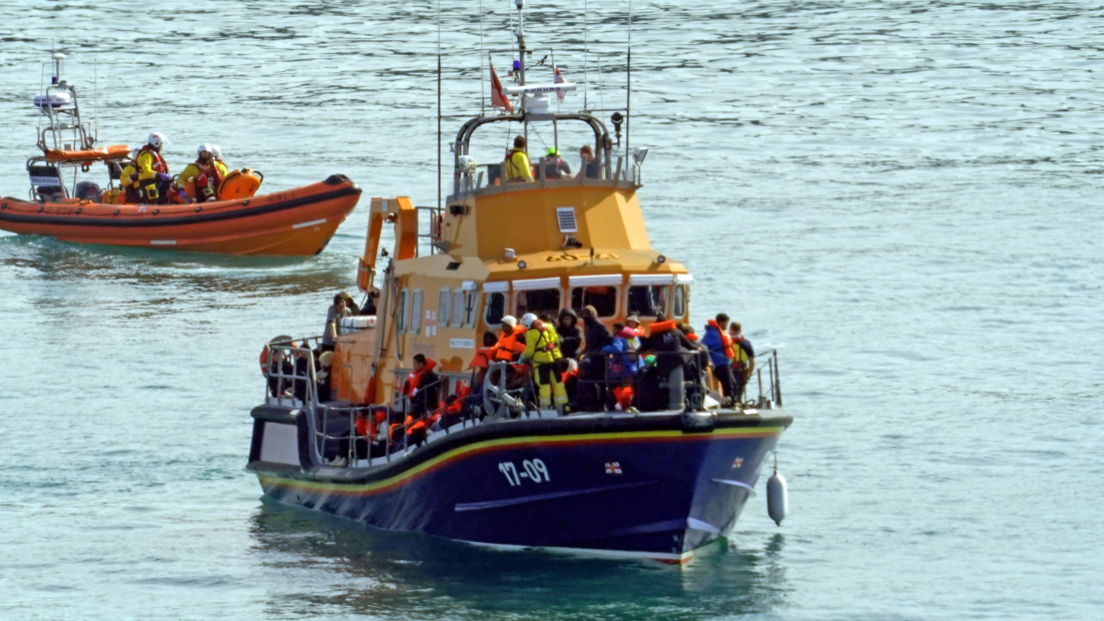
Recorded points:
(503, 247)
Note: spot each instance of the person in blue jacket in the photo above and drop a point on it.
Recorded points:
(720, 354)
(623, 363)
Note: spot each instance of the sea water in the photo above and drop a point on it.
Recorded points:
(903, 199)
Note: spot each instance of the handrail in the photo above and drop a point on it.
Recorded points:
(500, 402)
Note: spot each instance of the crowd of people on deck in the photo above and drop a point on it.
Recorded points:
(571, 362)
(517, 167)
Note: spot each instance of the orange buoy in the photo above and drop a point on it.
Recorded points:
(240, 184)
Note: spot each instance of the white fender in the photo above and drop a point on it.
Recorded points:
(777, 502)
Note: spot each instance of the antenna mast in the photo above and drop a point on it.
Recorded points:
(439, 164)
(521, 47)
(628, 86)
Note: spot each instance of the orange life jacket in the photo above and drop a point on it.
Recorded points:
(725, 338)
(662, 326)
(482, 358)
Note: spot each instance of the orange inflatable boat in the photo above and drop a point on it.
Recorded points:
(296, 222)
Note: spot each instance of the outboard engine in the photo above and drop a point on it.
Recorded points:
(88, 191)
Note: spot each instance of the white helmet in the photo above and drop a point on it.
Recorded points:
(157, 140)
(216, 151)
(510, 320)
(527, 320)
(204, 148)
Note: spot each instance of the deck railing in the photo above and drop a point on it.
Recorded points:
(293, 381)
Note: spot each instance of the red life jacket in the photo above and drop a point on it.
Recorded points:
(208, 180)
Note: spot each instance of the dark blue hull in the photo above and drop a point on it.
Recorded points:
(627, 487)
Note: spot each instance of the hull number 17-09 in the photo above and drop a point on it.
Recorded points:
(532, 469)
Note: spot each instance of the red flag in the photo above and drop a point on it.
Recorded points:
(560, 80)
(498, 99)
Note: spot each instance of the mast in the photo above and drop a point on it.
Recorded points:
(521, 48)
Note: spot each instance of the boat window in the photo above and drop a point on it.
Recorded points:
(538, 301)
(495, 310)
(471, 300)
(679, 303)
(404, 297)
(602, 298)
(443, 307)
(647, 300)
(416, 313)
(457, 308)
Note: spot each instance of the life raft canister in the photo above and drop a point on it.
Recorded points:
(240, 184)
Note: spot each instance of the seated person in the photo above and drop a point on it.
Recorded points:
(588, 166)
(554, 167)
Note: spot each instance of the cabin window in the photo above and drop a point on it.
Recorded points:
(647, 300)
(602, 298)
(443, 300)
(679, 303)
(457, 308)
(471, 301)
(495, 310)
(416, 313)
(404, 308)
(538, 301)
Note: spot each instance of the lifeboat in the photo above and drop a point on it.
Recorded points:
(414, 423)
(295, 222)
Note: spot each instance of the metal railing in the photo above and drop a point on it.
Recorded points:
(292, 381)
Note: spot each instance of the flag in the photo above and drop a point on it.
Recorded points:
(560, 80)
(498, 99)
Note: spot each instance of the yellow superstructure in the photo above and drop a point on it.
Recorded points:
(496, 249)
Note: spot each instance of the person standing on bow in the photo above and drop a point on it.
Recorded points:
(517, 162)
(542, 352)
(153, 172)
(743, 358)
(201, 179)
(721, 354)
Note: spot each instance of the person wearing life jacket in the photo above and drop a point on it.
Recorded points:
(721, 354)
(128, 178)
(153, 172)
(421, 386)
(512, 342)
(517, 162)
(554, 167)
(743, 359)
(216, 155)
(482, 359)
(542, 352)
(201, 179)
(623, 360)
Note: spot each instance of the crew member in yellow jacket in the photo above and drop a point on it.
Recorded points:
(542, 350)
(153, 172)
(517, 162)
(201, 179)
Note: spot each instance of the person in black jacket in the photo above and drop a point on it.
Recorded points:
(592, 394)
(571, 335)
